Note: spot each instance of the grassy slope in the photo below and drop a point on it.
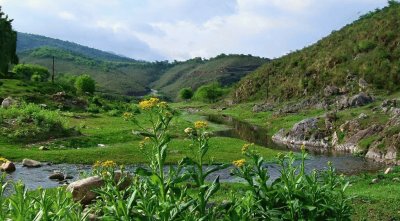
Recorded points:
(367, 48)
(194, 73)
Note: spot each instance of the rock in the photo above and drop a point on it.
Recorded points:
(8, 167)
(331, 90)
(351, 144)
(375, 180)
(57, 176)
(44, 106)
(8, 102)
(305, 132)
(43, 148)
(362, 116)
(335, 139)
(262, 107)
(360, 99)
(362, 83)
(101, 145)
(82, 190)
(31, 163)
(69, 177)
(388, 170)
(396, 179)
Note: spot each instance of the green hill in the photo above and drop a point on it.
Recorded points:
(127, 78)
(27, 42)
(366, 49)
(225, 69)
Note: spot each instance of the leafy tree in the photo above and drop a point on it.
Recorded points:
(209, 93)
(31, 72)
(85, 84)
(8, 44)
(186, 93)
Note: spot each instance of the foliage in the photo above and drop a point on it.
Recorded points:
(85, 84)
(8, 44)
(31, 72)
(39, 205)
(186, 93)
(209, 93)
(30, 122)
(364, 49)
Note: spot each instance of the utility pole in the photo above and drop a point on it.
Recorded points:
(52, 76)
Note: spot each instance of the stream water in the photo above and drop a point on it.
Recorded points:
(344, 163)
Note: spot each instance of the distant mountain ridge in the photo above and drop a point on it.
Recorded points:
(116, 74)
(27, 42)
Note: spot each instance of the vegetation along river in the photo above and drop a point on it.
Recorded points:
(344, 163)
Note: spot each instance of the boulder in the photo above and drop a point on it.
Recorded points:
(31, 163)
(362, 116)
(8, 102)
(360, 99)
(43, 148)
(375, 180)
(57, 176)
(82, 190)
(8, 167)
(351, 144)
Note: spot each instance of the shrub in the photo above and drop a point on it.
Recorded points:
(186, 93)
(27, 71)
(29, 122)
(85, 84)
(209, 93)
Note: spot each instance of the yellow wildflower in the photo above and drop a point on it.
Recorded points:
(239, 163)
(200, 124)
(246, 147)
(127, 116)
(97, 164)
(109, 163)
(3, 160)
(163, 104)
(148, 104)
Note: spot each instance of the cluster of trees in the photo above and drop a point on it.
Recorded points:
(8, 44)
(206, 93)
(31, 72)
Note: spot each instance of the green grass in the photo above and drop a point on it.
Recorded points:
(121, 145)
(378, 201)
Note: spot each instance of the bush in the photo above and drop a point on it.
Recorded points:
(28, 71)
(186, 93)
(29, 122)
(85, 84)
(209, 93)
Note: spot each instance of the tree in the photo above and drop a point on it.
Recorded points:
(85, 84)
(8, 44)
(186, 93)
(209, 93)
(31, 72)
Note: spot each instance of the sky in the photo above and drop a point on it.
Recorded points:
(183, 29)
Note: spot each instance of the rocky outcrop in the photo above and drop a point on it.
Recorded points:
(8, 167)
(351, 144)
(31, 163)
(305, 132)
(358, 100)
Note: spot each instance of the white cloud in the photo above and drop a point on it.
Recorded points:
(67, 16)
(181, 29)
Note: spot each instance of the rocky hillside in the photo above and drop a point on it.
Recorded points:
(364, 52)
